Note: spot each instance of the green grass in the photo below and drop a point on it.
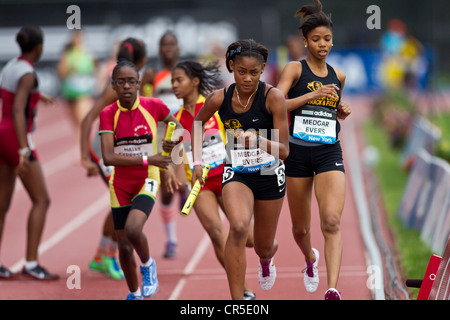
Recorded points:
(442, 120)
(414, 254)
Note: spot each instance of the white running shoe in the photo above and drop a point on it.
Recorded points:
(332, 294)
(267, 275)
(311, 274)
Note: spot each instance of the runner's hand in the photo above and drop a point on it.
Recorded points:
(91, 167)
(197, 175)
(22, 168)
(171, 181)
(329, 91)
(343, 110)
(159, 160)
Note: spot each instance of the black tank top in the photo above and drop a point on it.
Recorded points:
(314, 123)
(255, 118)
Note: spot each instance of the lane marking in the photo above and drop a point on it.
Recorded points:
(190, 267)
(362, 207)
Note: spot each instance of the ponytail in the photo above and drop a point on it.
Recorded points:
(312, 17)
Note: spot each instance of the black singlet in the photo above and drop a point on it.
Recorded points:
(317, 123)
(255, 118)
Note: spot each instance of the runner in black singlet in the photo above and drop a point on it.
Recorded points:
(253, 178)
(314, 89)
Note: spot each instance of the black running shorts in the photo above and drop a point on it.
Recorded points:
(141, 202)
(306, 161)
(269, 184)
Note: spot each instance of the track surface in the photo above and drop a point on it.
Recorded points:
(74, 222)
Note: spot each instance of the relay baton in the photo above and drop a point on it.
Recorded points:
(170, 129)
(195, 191)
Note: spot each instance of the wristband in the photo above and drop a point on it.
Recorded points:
(197, 163)
(25, 152)
(145, 160)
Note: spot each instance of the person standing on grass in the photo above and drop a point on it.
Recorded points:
(128, 129)
(253, 183)
(314, 91)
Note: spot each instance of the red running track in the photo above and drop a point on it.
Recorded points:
(74, 222)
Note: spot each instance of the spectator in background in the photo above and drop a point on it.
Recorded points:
(159, 85)
(76, 71)
(402, 57)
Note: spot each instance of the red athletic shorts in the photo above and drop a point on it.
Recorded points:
(9, 149)
(214, 184)
(123, 189)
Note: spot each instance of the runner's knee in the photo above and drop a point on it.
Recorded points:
(239, 232)
(300, 232)
(330, 225)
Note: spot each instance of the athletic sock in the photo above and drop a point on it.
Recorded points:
(168, 215)
(148, 263)
(112, 249)
(30, 264)
(137, 293)
(102, 248)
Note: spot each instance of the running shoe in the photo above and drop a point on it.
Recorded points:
(248, 295)
(131, 296)
(149, 279)
(311, 274)
(112, 267)
(39, 273)
(97, 266)
(6, 274)
(267, 275)
(170, 250)
(332, 294)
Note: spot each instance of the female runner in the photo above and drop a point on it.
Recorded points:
(255, 118)
(314, 90)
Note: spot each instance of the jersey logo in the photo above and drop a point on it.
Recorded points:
(233, 124)
(315, 85)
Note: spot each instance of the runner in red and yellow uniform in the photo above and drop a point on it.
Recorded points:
(128, 129)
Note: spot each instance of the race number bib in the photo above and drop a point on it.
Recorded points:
(213, 152)
(250, 160)
(151, 186)
(134, 146)
(316, 124)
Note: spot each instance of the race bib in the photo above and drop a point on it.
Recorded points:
(134, 146)
(316, 124)
(213, 152)
(251, 160)
(151, 186)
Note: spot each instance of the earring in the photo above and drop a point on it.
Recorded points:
(306, 46)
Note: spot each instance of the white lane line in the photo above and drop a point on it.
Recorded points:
(356, 176)
(190, 267)
(95, 208)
